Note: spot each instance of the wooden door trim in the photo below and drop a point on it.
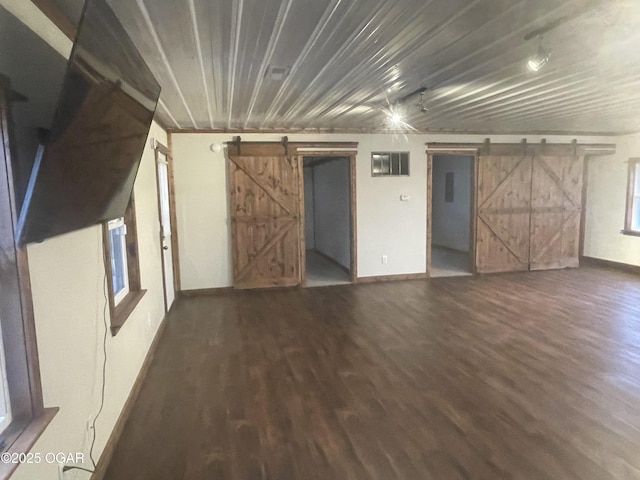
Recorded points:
(239, 148)
(159, 148)
(473, 154)
(173, 214)
(583, 204)
(429, 210)
(354, 218)
(473, 234)
(156, 155)
(514, 149)
(301, 222)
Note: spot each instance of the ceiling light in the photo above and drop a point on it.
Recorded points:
(538, 60)
(395, 118)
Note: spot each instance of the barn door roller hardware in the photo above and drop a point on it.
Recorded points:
(486, 146)
(236, 142)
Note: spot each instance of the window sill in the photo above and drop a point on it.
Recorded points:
(123, 310)
(26, 439)
(632, 233)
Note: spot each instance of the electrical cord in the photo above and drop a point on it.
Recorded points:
(66, 468)
(104, 364)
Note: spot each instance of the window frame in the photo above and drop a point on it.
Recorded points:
(5, 396)
(112, 225)
(19, 343)
(633, 197)
(121, 305)
(390, 173)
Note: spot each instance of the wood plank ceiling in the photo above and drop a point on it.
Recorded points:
(348, 60)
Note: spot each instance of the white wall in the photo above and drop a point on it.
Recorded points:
(309, 225)
(606, 203)
(332, 202)
(204, 241)
(451, 221)
(386, 226)
(67, 276)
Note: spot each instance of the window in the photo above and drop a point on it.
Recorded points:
(22, 414)
(632, 216)
(118, 256)
(122, 267)
(389, 164)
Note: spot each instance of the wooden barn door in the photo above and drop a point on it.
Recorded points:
(556, 207)
(529, 204)
(504, 203)
(265, 220)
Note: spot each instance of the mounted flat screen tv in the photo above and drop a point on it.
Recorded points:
(85, 168)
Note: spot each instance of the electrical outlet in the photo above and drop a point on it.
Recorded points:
(385, 259)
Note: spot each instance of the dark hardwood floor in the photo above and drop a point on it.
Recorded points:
(513, 376)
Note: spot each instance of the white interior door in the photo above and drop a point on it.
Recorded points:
(165, 229)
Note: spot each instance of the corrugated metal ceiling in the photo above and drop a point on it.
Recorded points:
(348, 60)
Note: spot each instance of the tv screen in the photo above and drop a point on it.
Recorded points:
(85, 168)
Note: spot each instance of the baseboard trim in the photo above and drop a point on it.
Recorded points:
(205, 291)
(392, 278)
(116, 433)
(600, 262)
(332, 260)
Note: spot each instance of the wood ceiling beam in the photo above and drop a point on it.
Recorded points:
(59, 19)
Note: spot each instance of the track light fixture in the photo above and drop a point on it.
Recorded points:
(396, 114)
(539, 59)
(421, 106)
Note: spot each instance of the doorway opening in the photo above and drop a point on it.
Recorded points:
(328, 220)
(166, 211)
(451, 221)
